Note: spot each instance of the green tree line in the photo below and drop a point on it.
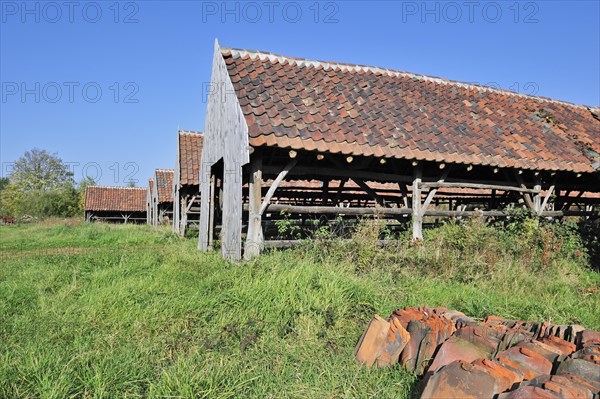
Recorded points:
(41, 185)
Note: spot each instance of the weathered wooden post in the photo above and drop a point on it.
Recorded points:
(537, 200)
(254, 236)
(182, 215)
(417, 216)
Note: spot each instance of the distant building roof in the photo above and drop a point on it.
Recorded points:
(164, 185)
(190, 150)
(119, 199)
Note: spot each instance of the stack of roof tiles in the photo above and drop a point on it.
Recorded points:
(358, 110)
(190, 149)
(121, 199)
(164, 185)
(496, 358)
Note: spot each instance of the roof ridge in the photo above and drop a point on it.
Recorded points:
(118, 187)
(190, 132)
(262, 55)
(164, 170)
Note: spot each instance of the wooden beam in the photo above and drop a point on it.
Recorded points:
(522, 189)
(394, 212)
(546, 198)
(369, 191)
(276, 183)
(340, 191)
(340, 173)
(191, 203)
(431, 194)
(526, 196)
(334, 210)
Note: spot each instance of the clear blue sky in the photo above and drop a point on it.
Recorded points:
(162, 60)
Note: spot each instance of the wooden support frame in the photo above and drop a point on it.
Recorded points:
(546, 199)
(365, 187)
(526, 195)
(432, 192)
(276, 183)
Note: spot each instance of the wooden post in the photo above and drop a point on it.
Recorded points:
(417, 216)
(176, 211)
(211, 215)
(182, 216)
(254, 236)
(537, 200)
(404, 192)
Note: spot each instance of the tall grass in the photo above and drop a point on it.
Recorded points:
(143, 314)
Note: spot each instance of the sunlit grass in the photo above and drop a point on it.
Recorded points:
(143, 314)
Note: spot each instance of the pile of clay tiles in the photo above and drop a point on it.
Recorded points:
(459, 357)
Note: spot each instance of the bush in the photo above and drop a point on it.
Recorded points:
(462, 251)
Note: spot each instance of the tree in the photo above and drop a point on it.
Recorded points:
(41, 185)
(11, 199)
(3, 182)
(39, 170)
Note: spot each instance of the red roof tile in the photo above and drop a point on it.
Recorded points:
(190, 150)
(164, 184)
(122, 199)
(358, 110)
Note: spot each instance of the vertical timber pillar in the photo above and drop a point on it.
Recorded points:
(211, 215)
(182, 219)
(176, 212)
(417, 217)
(254, 237)
(537, 200)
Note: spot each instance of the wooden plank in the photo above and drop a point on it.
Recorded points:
(276, 183)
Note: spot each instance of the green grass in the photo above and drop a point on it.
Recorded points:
(129, 311)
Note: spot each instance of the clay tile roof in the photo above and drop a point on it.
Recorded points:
(190, 149)
(122, 199)
(361, 110)
(164, 184)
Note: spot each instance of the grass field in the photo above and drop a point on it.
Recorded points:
(92, 310)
